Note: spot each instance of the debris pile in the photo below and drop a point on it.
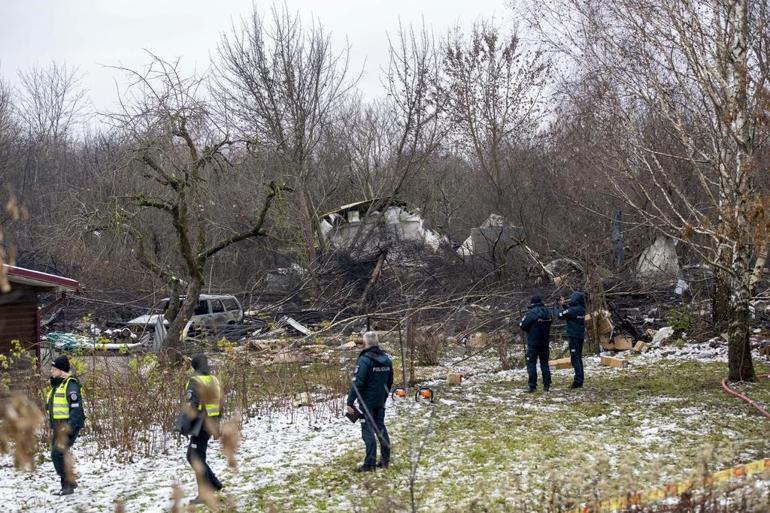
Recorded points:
(367, 227)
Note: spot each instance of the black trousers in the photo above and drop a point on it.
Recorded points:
(58, 453)
(576, 358)
(196, 452)
(534, 353)
(370, 432)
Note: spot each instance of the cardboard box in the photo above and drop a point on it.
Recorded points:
(602, 319)
(622, 343)
(561, 363)
(641, 347)
(611, 361)
(605, 343)
(454, 378)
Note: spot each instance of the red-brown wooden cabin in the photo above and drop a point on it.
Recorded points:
(19, 309)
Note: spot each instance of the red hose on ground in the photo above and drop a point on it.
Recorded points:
(745, 398)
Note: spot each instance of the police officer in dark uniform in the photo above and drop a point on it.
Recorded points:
(370, 388)
(574, 314)
(203, 394)
(537, 324)
(64, 405)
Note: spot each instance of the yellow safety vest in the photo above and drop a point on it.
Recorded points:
(211, 385)
(60, 406)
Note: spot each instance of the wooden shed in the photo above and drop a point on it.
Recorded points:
(20, 311)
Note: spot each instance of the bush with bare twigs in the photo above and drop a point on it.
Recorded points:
(131, 401)
(430, 344)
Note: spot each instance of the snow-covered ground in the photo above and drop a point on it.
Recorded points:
(301, 442)
(271, 449)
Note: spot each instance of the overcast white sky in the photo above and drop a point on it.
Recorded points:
(90, 34)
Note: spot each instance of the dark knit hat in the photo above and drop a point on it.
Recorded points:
(535, 300)
(62, 363)
(200, 363)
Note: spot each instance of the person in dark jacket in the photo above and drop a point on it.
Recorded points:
(574, 314)
(370, 388)
(66, 415)
(203, 395)
(537, 324)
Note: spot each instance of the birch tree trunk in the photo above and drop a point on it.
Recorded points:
(695, 69)
(740, 191)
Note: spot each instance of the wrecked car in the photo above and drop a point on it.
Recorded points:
(211, 310)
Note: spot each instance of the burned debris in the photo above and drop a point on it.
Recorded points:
(376, 226)
(380, 258)
(491, 240)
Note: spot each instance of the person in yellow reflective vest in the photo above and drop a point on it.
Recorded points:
(64, 404)
(203, 395)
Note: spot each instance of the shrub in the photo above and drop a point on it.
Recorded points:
(131, 401)
(681, 319)
(430, 344)
(505, 345)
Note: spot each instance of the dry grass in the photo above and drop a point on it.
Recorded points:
(131, 401)
(20, 419)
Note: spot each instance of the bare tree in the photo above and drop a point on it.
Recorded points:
(50, 101)
(176, 151)
(285, 85)
(494, 89)
(8, 129)
(389, 141)
(366, 144)
(6, 121)
(684, 82)
(413, 102)
(12, 211)
(49, 105)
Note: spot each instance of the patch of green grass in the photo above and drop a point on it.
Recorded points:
(493, 447)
